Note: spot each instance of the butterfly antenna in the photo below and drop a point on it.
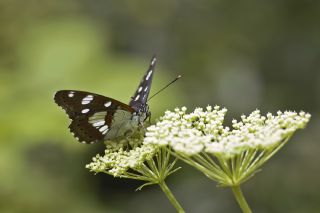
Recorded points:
(174, 80)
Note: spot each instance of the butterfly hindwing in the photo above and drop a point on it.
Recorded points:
(84, 131)
(141, 95)
(91, 114)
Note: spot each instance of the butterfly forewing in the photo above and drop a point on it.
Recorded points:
(91, 113)
(141, 95)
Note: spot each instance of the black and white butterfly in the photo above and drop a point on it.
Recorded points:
(98, 118)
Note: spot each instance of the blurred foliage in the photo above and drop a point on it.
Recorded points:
(241, 55)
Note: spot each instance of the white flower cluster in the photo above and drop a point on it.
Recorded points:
(119, 157)
(187, 133)
(202, 131)
(199, 132)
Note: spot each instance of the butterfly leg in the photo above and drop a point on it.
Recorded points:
(149, 116)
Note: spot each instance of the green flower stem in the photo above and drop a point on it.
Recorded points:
(171, 197)
(240, 199)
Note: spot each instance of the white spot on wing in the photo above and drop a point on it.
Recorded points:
(145, 89)
(98, 116)
(99, 123)
(85, 111)
(107, 104)
(85, 102)
(102, 129)
(149, 74)
(153, 61)
(137, 97)
(87, 99)
(140, 88)
(71, 94)
(105, 131)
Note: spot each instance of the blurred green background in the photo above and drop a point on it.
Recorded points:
(241, 55)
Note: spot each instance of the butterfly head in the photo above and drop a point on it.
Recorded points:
(142, 112)
(145, 110)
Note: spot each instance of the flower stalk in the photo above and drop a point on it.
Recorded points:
(240, 199)
(171, 197)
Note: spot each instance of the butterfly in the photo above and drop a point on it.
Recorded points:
(98, 118)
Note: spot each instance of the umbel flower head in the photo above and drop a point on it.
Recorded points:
(229, 156)
(131, 158)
